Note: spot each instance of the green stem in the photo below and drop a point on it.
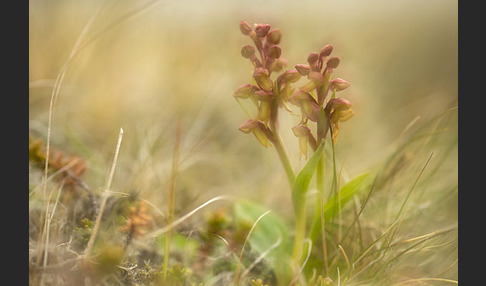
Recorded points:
(171, 198)
(323, 127)
(277, 141)
(316, 222)
(300, 224)
(284, 158)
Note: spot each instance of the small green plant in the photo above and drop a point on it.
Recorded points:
(319, 107)
(84, 231)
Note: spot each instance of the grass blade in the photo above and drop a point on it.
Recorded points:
(299, 191)
(346, 193)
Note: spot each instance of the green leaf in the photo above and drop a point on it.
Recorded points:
(270, 228)
(271, 232)
(331, 207)
(187, 247)
(302, 181)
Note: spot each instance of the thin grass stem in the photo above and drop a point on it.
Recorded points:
(237, 271)
(171, 199)
(106, 194)
(52, 102)
(180, 220)
(414, 281)
(301, 269)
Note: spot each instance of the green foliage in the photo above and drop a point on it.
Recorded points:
(185, 247)
(271, 236)
(303, 179)
(257, 282)
(109, 258)
(338, 201)
(178, 275)
(134, 274)
(84, 231)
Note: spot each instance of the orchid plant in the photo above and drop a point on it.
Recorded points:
(315, 100)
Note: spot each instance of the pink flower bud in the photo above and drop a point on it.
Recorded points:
(305, 138)
(299, 96)
(264, 111)
(333, 62)
(289, 76)
(335, 106)
(339, 104)
(261, 30)
(303, 69)
(258, 129)
(312, 58)
(248, 126)
(258, 42)
(245, 91)
(325, 51)
(301, 131)
(262, 95)
(317, 78)
(274, 52)
(308, 87)
(262, 78)
(307, 104)
(245, 28)
(345, 114)
(338, 84)
(274, 36)
(247, 51)
(278, 64)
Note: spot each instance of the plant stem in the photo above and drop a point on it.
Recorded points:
(300, 223)
(277, 141)
(316, 222)
(284, 159)
(171, 200)
(106, 193)
(322, 127)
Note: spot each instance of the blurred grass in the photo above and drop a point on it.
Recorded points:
(180, 60)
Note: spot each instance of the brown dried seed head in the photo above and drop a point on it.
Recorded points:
(245, 28)
(274, 36)
(247, 51)
(333, 62)
(261, 30)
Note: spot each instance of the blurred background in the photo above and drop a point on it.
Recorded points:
(146, 66)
